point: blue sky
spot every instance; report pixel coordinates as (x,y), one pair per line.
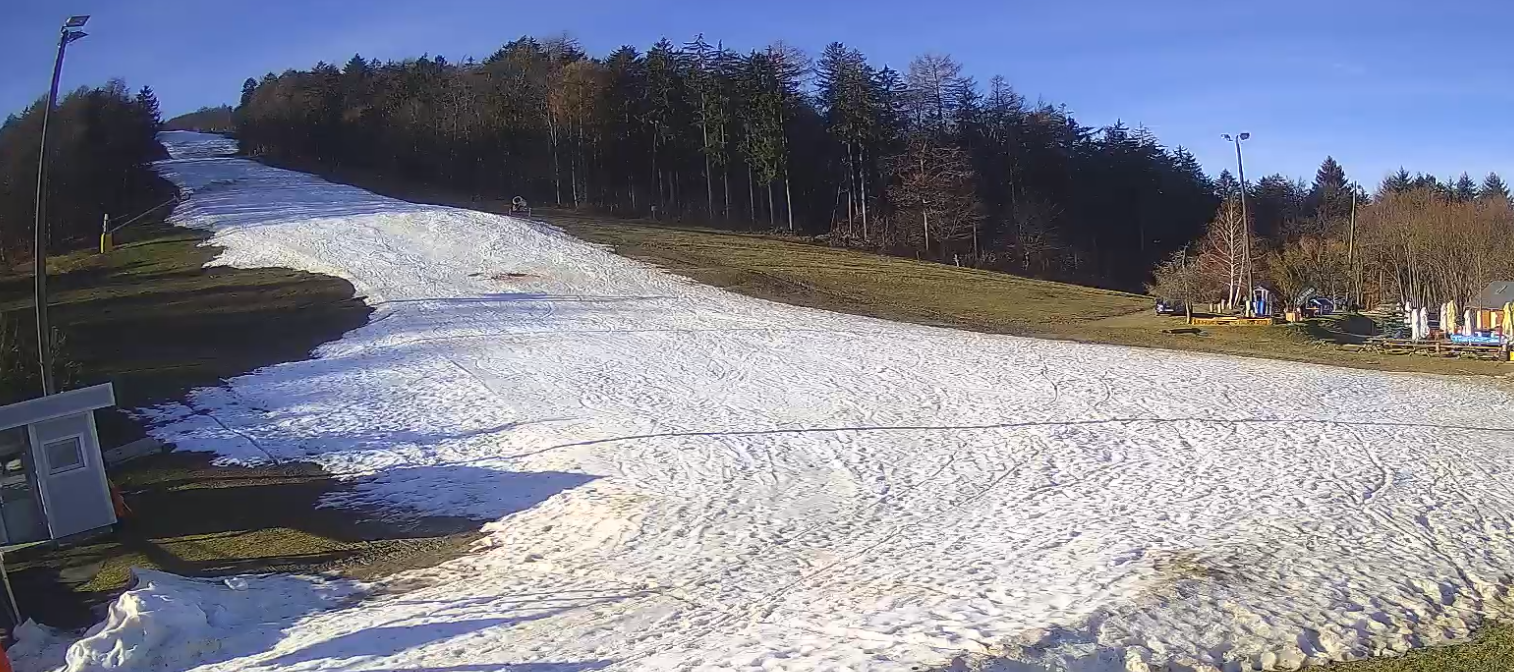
(1376,83)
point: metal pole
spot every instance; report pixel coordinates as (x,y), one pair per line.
(1245,226)
(9,592)
(1356,284)
(39,229)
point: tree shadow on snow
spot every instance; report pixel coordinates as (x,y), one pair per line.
(583,666)
(477,493)
(392,640)
(511,297)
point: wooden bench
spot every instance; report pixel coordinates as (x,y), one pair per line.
(1234,321)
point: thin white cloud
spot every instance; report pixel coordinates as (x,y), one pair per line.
(1351,69)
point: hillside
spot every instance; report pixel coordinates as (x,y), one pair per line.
(678,476)
(206,120)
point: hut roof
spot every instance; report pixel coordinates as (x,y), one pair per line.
(1494,295)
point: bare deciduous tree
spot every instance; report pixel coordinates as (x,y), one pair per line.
(1421,247)
(1310,263)
(1222,252)
(934,185)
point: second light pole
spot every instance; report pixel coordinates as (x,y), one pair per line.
(1245,219)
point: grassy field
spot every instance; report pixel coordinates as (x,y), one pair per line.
(150,319)
(804,273)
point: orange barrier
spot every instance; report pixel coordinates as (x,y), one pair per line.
(123,512)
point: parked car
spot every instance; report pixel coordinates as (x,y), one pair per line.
(1320,305)
(1165,307)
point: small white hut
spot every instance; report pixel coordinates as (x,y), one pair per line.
(52,476)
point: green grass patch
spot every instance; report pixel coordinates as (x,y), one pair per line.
(151,319)
(805,273)
(811,274)
(1491,651)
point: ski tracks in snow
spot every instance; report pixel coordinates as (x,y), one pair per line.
(771,487)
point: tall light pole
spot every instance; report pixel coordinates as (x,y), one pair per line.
(39,227)
(1356,284)
(1245,220)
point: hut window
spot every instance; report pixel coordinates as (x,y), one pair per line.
(65,455)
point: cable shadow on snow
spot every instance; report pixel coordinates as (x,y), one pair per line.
(1033,423)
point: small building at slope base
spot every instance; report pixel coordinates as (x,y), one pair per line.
(1488,306)
(52,475)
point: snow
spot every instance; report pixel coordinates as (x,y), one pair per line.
(675,477)
(166,623)
(198,145)
(37,648)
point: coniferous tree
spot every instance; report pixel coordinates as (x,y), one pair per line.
(664,115)
(708,99)
(1277,206)
(852,112)
(1493,187)
(1226,186)
(101,143)
(217,119)
(1464,189)
(1430,183)
(1330,196)
(1397,183)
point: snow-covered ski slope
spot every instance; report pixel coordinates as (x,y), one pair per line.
(682,478)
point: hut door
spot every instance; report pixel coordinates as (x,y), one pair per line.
(71,476)
(20,508)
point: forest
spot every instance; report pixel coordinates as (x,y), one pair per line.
(924,162)
(101,143)
(205,120)
(1414,238)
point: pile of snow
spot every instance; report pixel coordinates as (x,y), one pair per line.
(681,478)
(168,623)
(38,648)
